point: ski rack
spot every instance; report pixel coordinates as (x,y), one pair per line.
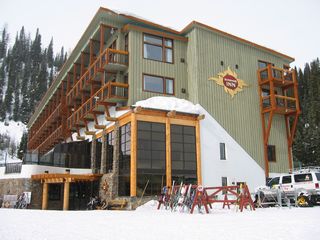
(241,194)
(305,169)
(206,196)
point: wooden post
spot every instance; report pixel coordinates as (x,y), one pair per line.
(168,153)
(66,191)
(45,196)
(133,160)
(198,147)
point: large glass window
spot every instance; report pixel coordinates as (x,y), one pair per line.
(158,48)
(110,144)
(183,153)
(124,160)
(158,84)
(151,157)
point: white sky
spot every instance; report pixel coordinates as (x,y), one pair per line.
(288,26)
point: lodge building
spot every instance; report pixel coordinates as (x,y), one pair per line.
(90,117)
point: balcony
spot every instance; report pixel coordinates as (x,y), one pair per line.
(112,92)
(111,60)
(279,104)
(54,138)
(51,120)
(278,76)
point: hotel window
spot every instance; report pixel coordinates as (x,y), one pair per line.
(124,160)
(151,157)
(183,153)
(110,140)
(157,48)
(223,151)
(158,84)
(271,153)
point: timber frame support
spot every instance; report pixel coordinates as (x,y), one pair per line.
(278,91)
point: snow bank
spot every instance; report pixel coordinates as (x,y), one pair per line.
(262,224)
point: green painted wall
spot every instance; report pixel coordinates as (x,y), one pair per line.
(240,115)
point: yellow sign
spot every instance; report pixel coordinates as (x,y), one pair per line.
(230,81)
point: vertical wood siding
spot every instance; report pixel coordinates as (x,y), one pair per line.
(240,115)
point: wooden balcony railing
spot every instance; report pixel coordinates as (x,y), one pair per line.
(280,77)
(51,140)
(108,59)
(56,114)
(281,104)
(110,92)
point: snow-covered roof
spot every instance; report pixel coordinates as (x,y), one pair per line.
(169,104)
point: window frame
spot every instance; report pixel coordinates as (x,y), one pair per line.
(164,84)
(274,155)
(163,46)
(224,155)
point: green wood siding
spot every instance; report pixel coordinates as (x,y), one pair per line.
(240,115)
(139,66)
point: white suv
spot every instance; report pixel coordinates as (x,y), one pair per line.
(301,186)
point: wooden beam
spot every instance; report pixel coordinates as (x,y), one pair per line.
(66,192)
(201,117)
(133,159)
(168,153)
(45,192)
(90,132)
(172,113)
(81,138)
(96,126)
(111,119)
(198,154)
(137,109)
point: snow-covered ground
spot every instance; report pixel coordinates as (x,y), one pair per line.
(14,130)
(148,223)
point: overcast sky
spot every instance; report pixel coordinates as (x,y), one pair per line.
(287,26)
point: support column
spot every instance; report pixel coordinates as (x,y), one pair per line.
(45,196)
(133,160)
(198,147)
(168,153)
(103,166)
(115,163)
(102,32)
(66,191)
(93,155)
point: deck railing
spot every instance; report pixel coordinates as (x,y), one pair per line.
(51,119)
(112,91)
(107,57)
(13,168)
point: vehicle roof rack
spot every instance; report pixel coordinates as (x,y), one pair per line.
(305,169)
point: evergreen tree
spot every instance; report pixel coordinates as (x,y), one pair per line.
(4,42)
(50,60)
(35,58)
(23,145)
(306,146)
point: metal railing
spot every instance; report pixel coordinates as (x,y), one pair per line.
(13,168)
